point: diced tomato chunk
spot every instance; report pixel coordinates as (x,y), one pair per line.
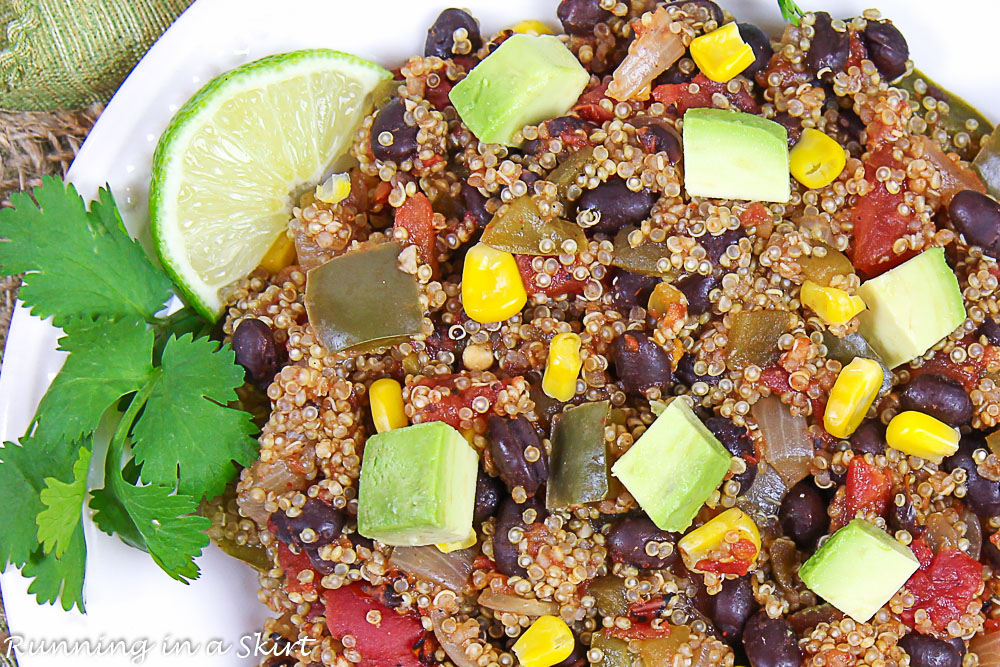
(877,222)
(680,96)
(293,564)
(966,373)
(562,282)
(639,631)
(755,214)
(868,487)
(393,640)
(417,217)
(944,587)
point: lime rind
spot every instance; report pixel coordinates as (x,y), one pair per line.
(240,189)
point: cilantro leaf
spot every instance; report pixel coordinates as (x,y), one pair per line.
(107,360)
(79,263)
(153,517)
(58,578)
(63,507)
(790,11)
(185,425)
(22,477)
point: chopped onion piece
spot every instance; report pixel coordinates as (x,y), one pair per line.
(787,445)
(987,647)
(448,569)
(451,647)
(655,48)
(973,533)
(513,604)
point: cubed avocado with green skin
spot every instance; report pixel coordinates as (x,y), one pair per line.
(735,155)
(859,569)
(911,307)
(417,486)
(673,467)
(528,79)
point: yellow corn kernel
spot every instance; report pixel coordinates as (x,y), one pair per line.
(834,306)
(548,641)
(562,367)
(386,399)
(335,189)
(448,547)
(722,54)
(816,159)
(852,394)
(730,527)
(280,254)
(532,27)
(492,289)
(917,434)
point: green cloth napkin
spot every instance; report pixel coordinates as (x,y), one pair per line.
(66,54)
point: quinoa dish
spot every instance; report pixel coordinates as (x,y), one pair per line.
(657,342)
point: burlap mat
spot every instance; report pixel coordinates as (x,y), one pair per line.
(33,144)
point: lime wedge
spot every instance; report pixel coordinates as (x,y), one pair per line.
(229,162)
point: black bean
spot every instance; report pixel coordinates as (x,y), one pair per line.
(850,123)
(489,490)
(686,374)
(771,642)
(325,521)
(509,438)
(991,554)
(509,515)
(991,329)
(828,48)
(761,45)
(674,75)
(925,651)
(982,494)
(626,542)
(655,138)
(475,204)
(715,246)
(732,436)
(256,351)
(732,607)
(939,396)
(640,363)
(618,206)
(791,124)
(556,128)
(869,438)
(903,517)
(977,217)
(630,289)
(959,645)
(579,17)
(390,120)
(887,48)
(441,36)
(578,658)
(714,11)
(803,514)
(697,288)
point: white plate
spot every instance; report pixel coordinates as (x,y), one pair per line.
(128,597)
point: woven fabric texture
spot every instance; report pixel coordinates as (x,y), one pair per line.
(66,54)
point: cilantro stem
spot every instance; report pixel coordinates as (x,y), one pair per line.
(117,444)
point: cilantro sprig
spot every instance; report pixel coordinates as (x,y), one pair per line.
(790,11)
(175,442)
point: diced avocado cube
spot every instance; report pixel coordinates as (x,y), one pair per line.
(362,300)
(417,486)
(673,467)
(858,569)
(735,155)
(911,307)
(579,460)
(528,79)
